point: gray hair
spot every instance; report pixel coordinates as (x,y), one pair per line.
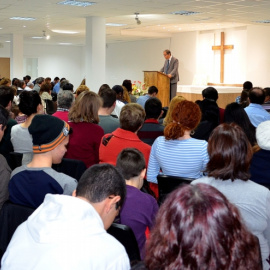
(39,80)
(65,99)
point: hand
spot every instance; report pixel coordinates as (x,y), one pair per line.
(169,75)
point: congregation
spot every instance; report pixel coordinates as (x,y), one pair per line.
(115,146)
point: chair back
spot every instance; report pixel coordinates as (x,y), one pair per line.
(126,237)
(167,184)
(11,216)
(72,167)
(15,160)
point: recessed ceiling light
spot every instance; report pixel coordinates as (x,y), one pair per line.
(76,3)
(37,37)
(115,24)
(65,32)
(64,43)
(185,13)
(23,18)
(7,41)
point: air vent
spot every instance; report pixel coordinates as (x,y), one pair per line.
(263,21)
(185,13)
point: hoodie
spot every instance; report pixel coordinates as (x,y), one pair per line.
(64,233)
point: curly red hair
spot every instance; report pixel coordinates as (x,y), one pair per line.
(186,116)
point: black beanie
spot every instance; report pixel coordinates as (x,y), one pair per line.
(47,132)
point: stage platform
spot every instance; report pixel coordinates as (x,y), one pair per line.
(226,94)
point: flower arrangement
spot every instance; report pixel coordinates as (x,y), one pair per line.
(139,89)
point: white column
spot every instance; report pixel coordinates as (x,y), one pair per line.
(16,57)
(95,52)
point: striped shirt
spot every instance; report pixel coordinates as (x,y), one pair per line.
(184,158)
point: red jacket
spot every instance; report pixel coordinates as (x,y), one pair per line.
(113,143)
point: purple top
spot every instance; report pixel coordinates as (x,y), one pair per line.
(138,212)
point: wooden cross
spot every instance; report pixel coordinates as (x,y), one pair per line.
(222,49)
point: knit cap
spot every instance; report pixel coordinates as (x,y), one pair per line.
(263,135)
(47,132)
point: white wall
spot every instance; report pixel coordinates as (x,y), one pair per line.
(128,60)
(249,60)
(5,50)
(258,55)
(61,61)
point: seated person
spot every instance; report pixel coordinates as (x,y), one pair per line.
(209,120)
(30,104)
(30,183)
(6,98)
(176,153)
(128,85)
(260,162)
(151,128)
(4,168)
(139,209)
(198,228)
(119,97)
(131,120)
(64,101)
(69,232)
(212,94)
(152,92)
(255,111)
(86,136)
(106,121)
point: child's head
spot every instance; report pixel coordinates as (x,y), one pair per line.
(131,164)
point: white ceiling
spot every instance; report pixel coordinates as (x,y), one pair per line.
(155,15)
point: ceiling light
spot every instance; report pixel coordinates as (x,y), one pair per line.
(115,24)
(76,3)
(37,37)
(64,43)
(65,32)
(23,18)
(137,18)
(8,41)
(184,12)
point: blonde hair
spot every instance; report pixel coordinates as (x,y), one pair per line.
(126,96)
(5,81)
(81,89)
(85,108)
(168,119)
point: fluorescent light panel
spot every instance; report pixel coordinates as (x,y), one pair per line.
(64,32)
(37,37)
(115,24)
(63,43)
(76,3)
(23,18)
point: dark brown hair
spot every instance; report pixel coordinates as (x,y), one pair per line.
(186,116)
(85,108)
(198,228)
(229,152)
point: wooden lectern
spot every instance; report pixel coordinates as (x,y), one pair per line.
(162,82)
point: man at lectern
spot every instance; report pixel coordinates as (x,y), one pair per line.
(171,69)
